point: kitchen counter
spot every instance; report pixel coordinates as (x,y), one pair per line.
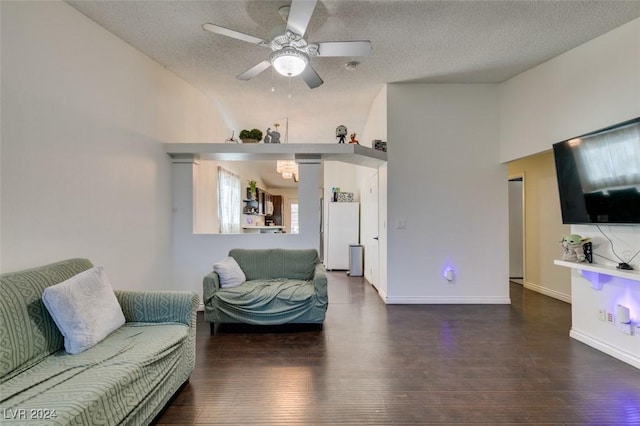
(262,229)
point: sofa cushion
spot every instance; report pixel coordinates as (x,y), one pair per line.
(229,272)
(84,308)
(28,333)
(276,263)
(109,383)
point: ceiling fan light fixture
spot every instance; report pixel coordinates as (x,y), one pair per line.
(289,61)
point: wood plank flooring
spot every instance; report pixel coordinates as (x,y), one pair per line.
(374,364)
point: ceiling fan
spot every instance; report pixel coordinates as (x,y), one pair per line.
(290,51)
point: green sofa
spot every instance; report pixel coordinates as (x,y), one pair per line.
(125,379)
(282,286)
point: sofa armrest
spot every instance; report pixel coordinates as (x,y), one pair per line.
(320,282)
(159,306)
(210,284)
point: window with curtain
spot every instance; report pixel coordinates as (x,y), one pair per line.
(229,201)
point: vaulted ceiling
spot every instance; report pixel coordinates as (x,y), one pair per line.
(412,41)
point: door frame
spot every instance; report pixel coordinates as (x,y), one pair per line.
(521,176)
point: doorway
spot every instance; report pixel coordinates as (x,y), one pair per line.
(370,222)
(516,229)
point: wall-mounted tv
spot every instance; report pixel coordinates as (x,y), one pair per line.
(599,175)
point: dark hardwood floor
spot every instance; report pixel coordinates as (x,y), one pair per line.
(374,364)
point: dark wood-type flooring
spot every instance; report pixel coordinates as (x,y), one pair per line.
(377,364)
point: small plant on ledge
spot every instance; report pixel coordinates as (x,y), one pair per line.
(253,185)
(251,136)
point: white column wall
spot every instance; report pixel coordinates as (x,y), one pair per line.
(447,195)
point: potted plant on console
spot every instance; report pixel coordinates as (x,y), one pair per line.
(251,136)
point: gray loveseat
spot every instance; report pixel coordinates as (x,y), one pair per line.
(282,286)
(125,379)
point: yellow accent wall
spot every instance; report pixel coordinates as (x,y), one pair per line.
(543,226)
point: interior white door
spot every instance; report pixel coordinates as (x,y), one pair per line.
(371,251)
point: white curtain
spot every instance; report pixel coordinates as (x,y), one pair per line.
(229,201)
(610,160)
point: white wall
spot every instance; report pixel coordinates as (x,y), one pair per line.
(205,198)
(586,326)
(83,170)
(446,185)
(376,124)
(590,87)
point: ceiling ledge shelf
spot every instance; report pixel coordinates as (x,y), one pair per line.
(598,274)
(347,153)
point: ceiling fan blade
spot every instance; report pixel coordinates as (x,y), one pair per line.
(300,15)
(344,48)
(217,29)
(311,77)
(254,70)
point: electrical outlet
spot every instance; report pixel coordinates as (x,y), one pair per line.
(602,314)
(611,318)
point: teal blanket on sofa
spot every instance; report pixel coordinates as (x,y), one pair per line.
(106,384)
(283,286)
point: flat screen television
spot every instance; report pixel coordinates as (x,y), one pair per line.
(599,175)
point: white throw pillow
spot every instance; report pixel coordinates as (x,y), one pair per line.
(84,308)
(230,273)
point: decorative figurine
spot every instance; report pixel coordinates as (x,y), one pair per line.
(231,139)
(273,136)
(353,139)
(572,248)
(341,133)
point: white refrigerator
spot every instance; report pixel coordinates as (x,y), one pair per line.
(341,230)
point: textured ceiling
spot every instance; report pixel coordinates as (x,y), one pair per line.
(412,41)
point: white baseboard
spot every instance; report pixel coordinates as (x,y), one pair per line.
(448,300)
(382,295)
(548,292)
(607,348)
